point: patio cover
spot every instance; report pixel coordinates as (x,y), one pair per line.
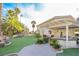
(59,21)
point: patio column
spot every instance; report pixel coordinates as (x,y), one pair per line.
(67,30)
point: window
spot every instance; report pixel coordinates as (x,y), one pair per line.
(61,34)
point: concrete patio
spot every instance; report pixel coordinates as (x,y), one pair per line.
(37,50)
(71,44)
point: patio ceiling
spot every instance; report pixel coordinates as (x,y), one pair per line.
(62,22)
(58,21)
(64,27)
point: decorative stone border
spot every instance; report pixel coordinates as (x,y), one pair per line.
(12,54)
(61,51)
(8,44)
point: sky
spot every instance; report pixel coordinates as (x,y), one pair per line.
(41,12)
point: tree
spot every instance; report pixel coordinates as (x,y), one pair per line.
(0,17)
(33,24)
(13,25)
(17,11)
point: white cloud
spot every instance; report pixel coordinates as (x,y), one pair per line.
(48,12)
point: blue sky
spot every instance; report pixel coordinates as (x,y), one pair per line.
(37,6)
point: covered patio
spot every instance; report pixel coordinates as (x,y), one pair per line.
(66,43)
(59,23)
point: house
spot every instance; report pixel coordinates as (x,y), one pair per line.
(57,25)
(64,27)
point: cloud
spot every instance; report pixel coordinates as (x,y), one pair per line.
(49,11)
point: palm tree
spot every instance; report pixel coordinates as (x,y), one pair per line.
(0,16)
(33,24)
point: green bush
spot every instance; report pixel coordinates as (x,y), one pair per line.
(37,35)
(54,43)
(39,38)
(45,39)
(56,46)
(39,41)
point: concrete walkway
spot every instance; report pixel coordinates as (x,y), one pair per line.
(37,50)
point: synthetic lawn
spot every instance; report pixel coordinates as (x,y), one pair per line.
(70,52)
(17,44)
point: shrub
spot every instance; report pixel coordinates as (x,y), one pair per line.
(45,39)
(56,46)
(54,43)
(39,42)
(37,35)
(39,39)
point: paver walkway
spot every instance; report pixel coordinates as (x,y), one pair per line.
(37,50)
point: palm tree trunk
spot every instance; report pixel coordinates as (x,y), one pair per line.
(33,29)
(0,18)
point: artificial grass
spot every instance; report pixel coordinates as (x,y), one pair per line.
(70,52)
(17,45)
